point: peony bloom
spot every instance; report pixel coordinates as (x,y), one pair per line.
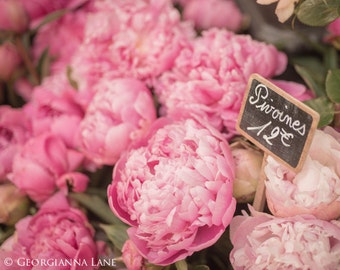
(206,14)
(45,163)
(134,38)
(284,9)
(248,162)
(62,38)
(174,188)
(13,16)
(333,35)
(58,233)
(51,110)
(262,241)
(120,112)
(14,132)
(132,259)
(209,77)
(9,60)
(14,205)
(315,189)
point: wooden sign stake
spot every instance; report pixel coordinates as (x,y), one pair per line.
(260,196)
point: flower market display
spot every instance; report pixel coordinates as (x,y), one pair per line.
(120,145)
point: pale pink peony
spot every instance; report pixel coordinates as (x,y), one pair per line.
(134,38)
(248,162)
(45,163)
(206,14)
(262,241)
(209,77)
(58,233)
(13,16)
(284,9)
(131,257)
(174,188)
(120,112)
(14,132)
(315,189)
(10,60)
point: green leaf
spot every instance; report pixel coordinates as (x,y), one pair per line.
(181,265)
(314,76)
(318,12)
(50,18)
(97,206)
(72,82)
(116,233)
(201,267)
(324,107)
(44,63)
(333,85)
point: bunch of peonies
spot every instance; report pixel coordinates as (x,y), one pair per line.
(262,241)
(313,190)
(174,187)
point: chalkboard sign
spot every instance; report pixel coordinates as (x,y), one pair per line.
(279,124)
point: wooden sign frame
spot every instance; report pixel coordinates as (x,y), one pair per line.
(276,122)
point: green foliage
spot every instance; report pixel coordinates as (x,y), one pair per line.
(318,12)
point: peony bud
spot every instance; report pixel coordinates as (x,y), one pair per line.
(248,162)
(13,16)
(9,60)
(13,204)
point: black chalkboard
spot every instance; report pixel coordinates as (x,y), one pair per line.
(276,122)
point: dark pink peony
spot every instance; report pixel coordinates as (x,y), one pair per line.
(45,163)
(55,235)
(174,188)
(14,132)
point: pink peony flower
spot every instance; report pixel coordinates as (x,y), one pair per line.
(132,259)
(14,132)
(134,38)
(44,163)
(284,9)
(315,189)
(9,60)
(13,16)
(206,14)
(262,241)
(120,112)
(55,235)
(56,111)
(62,38)
(296,90)
(36,9)
(333,33)
(209,78)
(174,188)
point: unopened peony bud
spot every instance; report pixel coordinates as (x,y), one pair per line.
(13,204)
(248,168)
(13,16)
(9,60)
